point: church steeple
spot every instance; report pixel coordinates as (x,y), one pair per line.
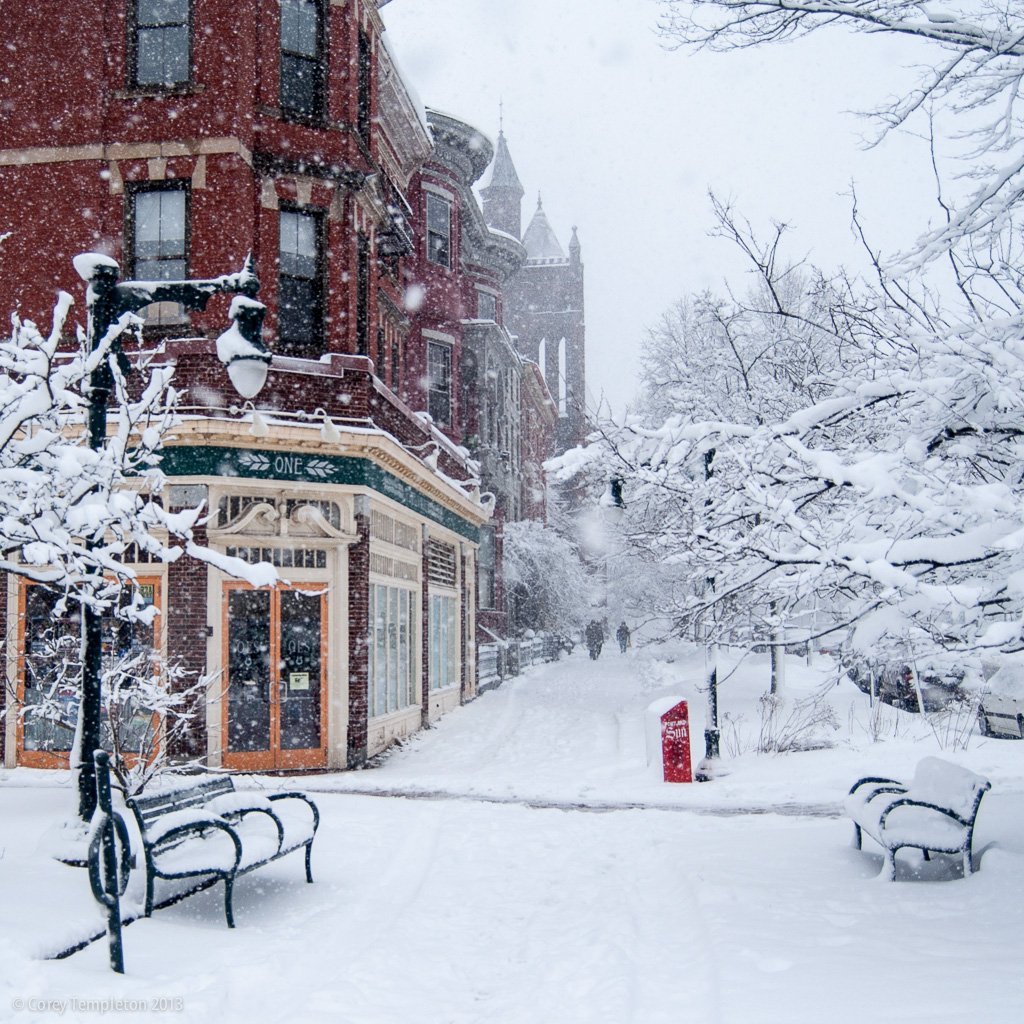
(503,195)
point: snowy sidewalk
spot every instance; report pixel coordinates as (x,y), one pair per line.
(474,905)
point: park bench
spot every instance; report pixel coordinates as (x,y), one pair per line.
(934,813)
(211,832)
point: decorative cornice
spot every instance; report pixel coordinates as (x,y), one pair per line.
(124,151)
(272,164)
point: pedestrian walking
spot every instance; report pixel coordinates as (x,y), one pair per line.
(595,639)
(623,636)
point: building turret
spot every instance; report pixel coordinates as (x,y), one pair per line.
(574,248)
(503,195)
(540,241)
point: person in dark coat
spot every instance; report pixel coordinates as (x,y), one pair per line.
(622,635)
(595,638)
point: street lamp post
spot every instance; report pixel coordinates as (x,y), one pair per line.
(712,736)
(613,508)
(247,360)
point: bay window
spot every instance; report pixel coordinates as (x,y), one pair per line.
(439,230)
(439,382)
(300,283)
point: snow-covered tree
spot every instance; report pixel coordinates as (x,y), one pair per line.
(73,514)
(893,488)
(897,494)
(967,95)
(747,359)
(546,577)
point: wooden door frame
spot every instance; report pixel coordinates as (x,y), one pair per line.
(274,759)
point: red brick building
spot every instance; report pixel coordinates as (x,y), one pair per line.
(180,136)
(399,426)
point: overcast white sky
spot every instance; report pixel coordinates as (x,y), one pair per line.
(624,138)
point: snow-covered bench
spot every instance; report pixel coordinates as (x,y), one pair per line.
(211,832)
(935,813)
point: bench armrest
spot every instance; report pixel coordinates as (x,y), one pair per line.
(910,802)
(236,805)
(300,796)
(879,781)
(240,815)
(198,827)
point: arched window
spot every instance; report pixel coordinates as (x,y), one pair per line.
(563,389)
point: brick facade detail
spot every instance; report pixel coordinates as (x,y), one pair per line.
(187,633)
(359,638)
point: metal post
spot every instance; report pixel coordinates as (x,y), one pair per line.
(107,874)
(107,302)
(103,313)
(712,736)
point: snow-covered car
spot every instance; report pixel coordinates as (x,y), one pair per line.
(1001,706)
(894,684)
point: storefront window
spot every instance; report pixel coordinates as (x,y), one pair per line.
(52,670)
(444,638)
(392,682)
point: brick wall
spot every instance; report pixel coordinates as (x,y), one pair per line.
(187,619)
(358,637)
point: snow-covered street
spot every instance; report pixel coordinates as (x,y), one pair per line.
(481,901)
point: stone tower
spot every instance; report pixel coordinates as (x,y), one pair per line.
(503,195)
(543,302)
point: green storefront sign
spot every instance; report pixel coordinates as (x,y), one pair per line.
(314,469)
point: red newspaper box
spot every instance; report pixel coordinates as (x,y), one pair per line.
(675,744)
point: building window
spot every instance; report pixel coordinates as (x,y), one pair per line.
(158,235)
(302,58)
(439,382)
(485,568)
(157,244)
(52,641)
(444,642)
(486,306)
(392,663)
(365,83)
(159,45)
(300,284)
(439,230)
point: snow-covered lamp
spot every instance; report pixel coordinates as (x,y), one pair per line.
(241,349)
(612,504)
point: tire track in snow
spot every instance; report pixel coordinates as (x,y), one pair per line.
(792,809)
